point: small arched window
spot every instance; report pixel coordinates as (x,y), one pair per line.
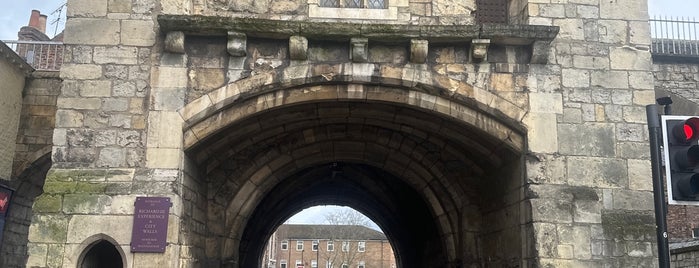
(102,254)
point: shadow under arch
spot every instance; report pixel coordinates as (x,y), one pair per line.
(253,135)
(409,226)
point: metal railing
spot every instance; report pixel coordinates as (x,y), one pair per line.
(674,36)
(41,55)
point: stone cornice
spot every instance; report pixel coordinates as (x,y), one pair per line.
(265,28)
(10,55)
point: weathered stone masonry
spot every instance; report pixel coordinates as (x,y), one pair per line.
(519,145)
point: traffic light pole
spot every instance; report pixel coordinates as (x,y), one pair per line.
(658,187)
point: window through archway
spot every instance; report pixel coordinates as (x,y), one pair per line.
(316,230)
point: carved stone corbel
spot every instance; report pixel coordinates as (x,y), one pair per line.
(418,51)
(479,49)
(359,49)
(237,44)
(298,48)
(174,42)
(540,52)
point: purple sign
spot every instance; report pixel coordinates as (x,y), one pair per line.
(150,224)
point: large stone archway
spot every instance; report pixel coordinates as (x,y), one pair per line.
(414,162)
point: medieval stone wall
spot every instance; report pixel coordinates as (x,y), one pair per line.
(588,166)
(582,200)
(10,107)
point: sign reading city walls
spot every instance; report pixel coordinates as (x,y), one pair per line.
(150,224)
(5,197)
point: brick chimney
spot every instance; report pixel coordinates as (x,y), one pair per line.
(34,19)
(42,23)
(38,21)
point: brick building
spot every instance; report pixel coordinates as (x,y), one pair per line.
(328,246)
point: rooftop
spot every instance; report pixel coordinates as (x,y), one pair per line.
(349,232)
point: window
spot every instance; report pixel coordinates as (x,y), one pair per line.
(361,264)
(353,3)
(299,245)
(695,232)
(282,264)
(314,264)
(298,263)
(345,246)
(285,244)
(331,245)
(361,246)
(314,245)
(328,264)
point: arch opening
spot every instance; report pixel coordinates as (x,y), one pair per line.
(101,254)
(447,193)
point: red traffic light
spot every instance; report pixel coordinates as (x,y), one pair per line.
(687,131)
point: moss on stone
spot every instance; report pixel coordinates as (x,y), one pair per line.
(85,203)
(48,203)
(76,175)
(623,224)
(89,187)
(59,187)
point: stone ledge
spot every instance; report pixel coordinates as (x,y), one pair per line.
(265,28)
(13,58)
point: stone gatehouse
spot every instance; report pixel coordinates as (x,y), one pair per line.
(475,133)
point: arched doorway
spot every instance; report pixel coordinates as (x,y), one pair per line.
(101,254)
(444,183)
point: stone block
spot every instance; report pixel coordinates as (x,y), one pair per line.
(639,33)
(590,62)
(570,29)
(119,6)
(592,139)
(137,33)
(96,88)
(632,200)
(115,55)
(82,203)
(612,31)
(118,227)
(543,137)
(37,254)
(79,103)
(163,130)
(69,118)
(180,7)
(359,49)
(479,49)
(546,103)
(624,10)
(579,237)
(163,158)
(575,78)
(597,172)
(86,8)
(610,79)
(167,99)
(174,42)
(628,58)
(644,97)
(84,31)
(48,228)
(168,77)
(81,71)
(418,51)
(639,175)
(298,48)
(237,44)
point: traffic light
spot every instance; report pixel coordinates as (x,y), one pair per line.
(681,158)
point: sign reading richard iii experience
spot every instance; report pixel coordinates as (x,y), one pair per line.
(150,224)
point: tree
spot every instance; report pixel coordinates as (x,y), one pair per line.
(346,251)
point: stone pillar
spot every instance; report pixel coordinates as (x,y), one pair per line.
(588,165)
(117,136)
